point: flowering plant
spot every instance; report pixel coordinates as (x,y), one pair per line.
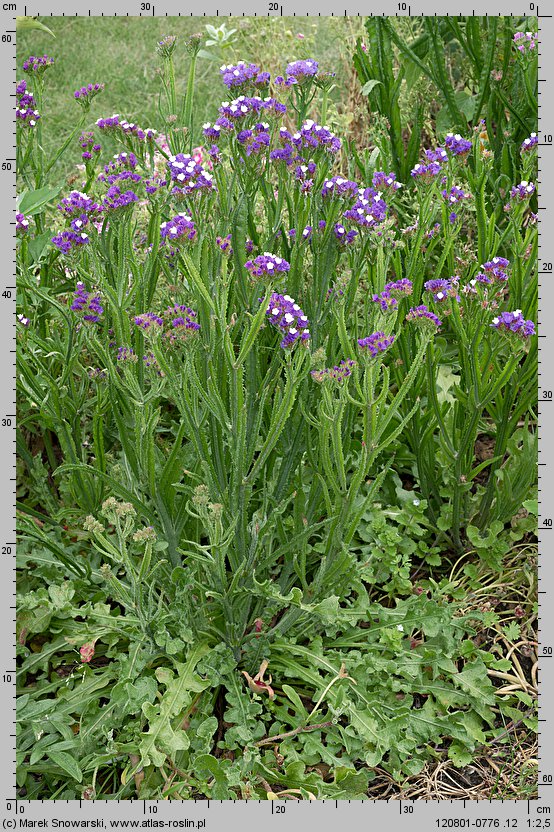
(234,358)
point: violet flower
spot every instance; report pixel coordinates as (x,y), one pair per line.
(376,343)
(284,313)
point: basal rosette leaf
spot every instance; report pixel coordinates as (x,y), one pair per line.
(163,737)
(243,712)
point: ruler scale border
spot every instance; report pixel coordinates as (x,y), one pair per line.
(210,814)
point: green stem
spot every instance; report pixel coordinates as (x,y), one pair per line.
(188,116)
(459,482)
(78,127)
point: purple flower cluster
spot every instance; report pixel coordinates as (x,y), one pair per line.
(376,342)
(524,190)
(426,173)
(399,288)
(439,154)
(88,303)
(525,41)
(34,65)
(178,229)
(422,316)
(69,240)
(122,161)
(338,186)
(88,145)
(306,234)
(343,236)
(481,278)
(442,289)
(151,362)
(166,45)
(388,298)
(79,223)
(284,154)
(214,154)
(111,123)
(213,131)
(125,354)
(514,322)
(287,82)
(530,143)
(25,112)
(369,210)
(21,224)
(303,173)
(386,301)
(125,128)
(256,140)
(188,175)
(179,323)
(312,136)
(266,263)
(23,320)
(495,267)
(241,73)
(116,199)
(149,322)
(302,69)
(338,373)
(224,243)
(457,145)
(455,195)
(243,106)
(153,185)
(182,323)
(385,181)
(84,95)
(285,313)
(78,204)
(126,179)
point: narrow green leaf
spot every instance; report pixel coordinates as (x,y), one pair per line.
(197,281)
(250,336)
(32,202)
(370,85)
(67,763)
